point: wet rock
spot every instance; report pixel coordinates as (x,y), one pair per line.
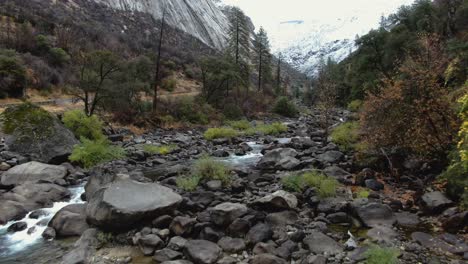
(382,235)
(225,213)
(37,195)
(149,243)
(279,200)
(456,222)
(70,221)
(259,233)
(182,226)
(267,259)
(373,214)
(83,250)
(320,243)
(220,153)
(125,202)
(33,172)
(232,245)
(11,210)
(435,202)
(202,251)
(49,233)
(163,221)
(17,227)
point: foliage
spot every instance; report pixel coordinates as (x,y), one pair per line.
(188,183)
(13,78)
(240,125)
(220,132)
(232,112)
(412,112)
(209,169)
(346,135)
(58,57)
(162,150)
(285,107)
(362,193)
(189,109)
(326,186)
(93,152)
(169,84)
(262,59)
(355,105)
(81,125)
(379,255)
(272,129)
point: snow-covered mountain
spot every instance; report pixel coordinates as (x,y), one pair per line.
(200,18)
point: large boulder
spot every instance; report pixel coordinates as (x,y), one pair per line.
(280,158)
(33,172)
(83,249)
(125,202)
(37,195)
(11,210)
(373,214)
(225,213)
(435,202)
(279,200)
(70,221)
(319,243)
(51,143)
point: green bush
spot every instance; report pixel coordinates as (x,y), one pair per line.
(326,186)
(457,182)
(285,107)
(232,112)
(169,84)
(13,77)
(362,193)
(188,110)
(220,132)
(93,152)
(58,56)
(209,169)
(355,106)
(162,150)
(273,129)
(240,125)
(81,125)
(188,183)
(346,135)
(379,255)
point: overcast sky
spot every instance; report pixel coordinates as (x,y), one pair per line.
(271,13)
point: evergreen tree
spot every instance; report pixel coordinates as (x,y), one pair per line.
(262,59)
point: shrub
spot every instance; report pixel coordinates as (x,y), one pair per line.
(346,135)
(220,132)
(13,78)
(93,152)
(273,129)
(240,125)
(355,105)
(285,108)
(326,186)
(58,56)
(209,169)
(169,84)
(379,255)
(188,110)
(189,183)
(232,112)
(27,119)
(81,125)
(162,150)
(362,193)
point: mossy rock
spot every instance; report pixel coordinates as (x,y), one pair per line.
(35,133)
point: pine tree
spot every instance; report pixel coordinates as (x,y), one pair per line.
(262,59)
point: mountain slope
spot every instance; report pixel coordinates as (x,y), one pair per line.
(199,18)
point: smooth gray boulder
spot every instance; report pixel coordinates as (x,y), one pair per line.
(37,195)
(282,158)
(83,249)
(70,221)
(33,172)
(11,210)
(435,202)
(202,251)
(125,202)
(319,243)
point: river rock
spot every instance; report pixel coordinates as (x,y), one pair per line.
(53,148)
(437,244)
(339,174)
(17,227)
(125,202)
(373,214)
(259,233)
(281,218)
(267,259)
(279,157)
(435,202)
(33,172)
(182,226)
(166,255)
(319,243)
(70,221)
(37,195)
(149,243)
(279,200)
(407,220)
(83,249)
(49,233)
(225,213)
(11,210)
(331,156)
(232,245)
(202,251)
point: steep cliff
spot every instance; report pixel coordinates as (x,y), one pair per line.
(199,18)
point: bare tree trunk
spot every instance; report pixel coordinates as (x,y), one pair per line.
(158,63)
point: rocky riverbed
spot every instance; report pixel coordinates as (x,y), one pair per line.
(131,210)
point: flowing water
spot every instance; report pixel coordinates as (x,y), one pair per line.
(28,246)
